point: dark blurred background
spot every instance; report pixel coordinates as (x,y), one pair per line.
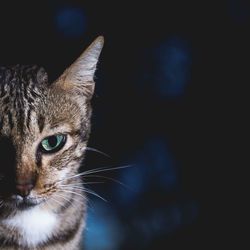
(170,91)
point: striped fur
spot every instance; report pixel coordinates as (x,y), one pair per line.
(31,109)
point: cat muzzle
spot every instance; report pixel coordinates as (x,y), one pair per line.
(24,189)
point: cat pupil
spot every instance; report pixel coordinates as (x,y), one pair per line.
(52,141)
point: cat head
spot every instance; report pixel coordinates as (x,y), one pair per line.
(44,127)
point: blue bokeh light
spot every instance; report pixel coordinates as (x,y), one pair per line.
(70,22)
(152,162)
(173,60)
(103,229)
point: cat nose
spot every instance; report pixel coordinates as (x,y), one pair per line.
(24,189)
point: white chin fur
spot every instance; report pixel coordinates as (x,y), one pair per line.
(35,225)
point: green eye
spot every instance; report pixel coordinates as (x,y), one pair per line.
(53,143)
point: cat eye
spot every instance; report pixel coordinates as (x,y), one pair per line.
(53,143)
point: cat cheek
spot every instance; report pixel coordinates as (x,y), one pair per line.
(80,150)
(63,173)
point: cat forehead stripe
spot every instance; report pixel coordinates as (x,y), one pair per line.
(20,86)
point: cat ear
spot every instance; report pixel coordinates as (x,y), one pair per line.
(79,77)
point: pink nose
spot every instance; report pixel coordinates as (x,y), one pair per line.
(24,189)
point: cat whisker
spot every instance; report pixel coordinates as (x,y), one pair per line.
(86,191)
(71,183)
(68,178)
(71,191)
(80,185)
(75,188)
(109,178)
(58,195)
(61,204)
(97,151)
(105,169)
(72,198)
(96,170)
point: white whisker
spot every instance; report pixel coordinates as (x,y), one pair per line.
(97,151)
(70,185)
(86,191)
(72,198)
(105,169)
(80,185)
(61,204)
(111,179)
(58,195)
(93,171)
(68,178)
(71,191)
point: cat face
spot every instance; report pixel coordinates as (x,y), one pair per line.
(44,129)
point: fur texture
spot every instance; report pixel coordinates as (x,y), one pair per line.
(52,215)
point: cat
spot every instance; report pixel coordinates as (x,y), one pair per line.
(44,130)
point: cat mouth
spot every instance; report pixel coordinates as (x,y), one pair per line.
(22,203)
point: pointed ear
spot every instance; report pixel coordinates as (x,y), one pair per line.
(79,77)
